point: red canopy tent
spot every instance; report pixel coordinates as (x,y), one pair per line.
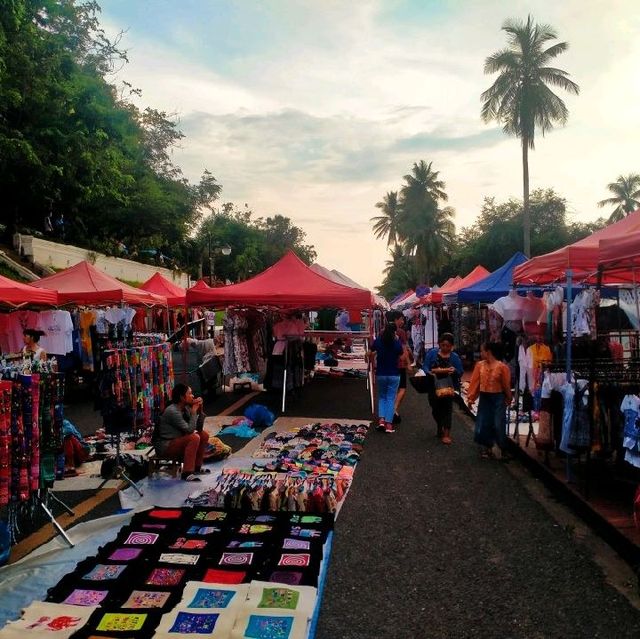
(620,258)
(289,283)
(581,257)
(83,283)
(17,294)
(160,285)
(200,285)
(453,285)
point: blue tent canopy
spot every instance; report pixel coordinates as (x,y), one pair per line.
(495,285)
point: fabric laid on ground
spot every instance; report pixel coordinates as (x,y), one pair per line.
(41,619)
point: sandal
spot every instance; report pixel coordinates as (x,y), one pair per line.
(446,440)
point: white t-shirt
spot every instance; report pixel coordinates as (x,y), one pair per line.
(58,328)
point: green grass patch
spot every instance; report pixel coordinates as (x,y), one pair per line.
(7,271)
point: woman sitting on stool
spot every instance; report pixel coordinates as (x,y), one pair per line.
(180,434)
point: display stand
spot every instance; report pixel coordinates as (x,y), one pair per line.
(118,469)
(43,498)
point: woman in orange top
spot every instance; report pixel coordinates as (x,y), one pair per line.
(491,381)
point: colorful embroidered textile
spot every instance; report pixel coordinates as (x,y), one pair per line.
(43,619)
(189,623)
(263,595)
(259,624)
(199,594)
(146,599)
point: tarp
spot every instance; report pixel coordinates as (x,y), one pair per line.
(581,256)
(620,258)
(289,283)
(14,293)
(160,285)
(83,283)
(497,284)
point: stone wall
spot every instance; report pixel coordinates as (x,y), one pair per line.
(61,256)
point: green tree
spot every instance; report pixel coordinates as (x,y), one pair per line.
(399,273)
(521,98)
(386,224)
(426,230)
(626,196)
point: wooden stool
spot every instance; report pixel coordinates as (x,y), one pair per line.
(156,463)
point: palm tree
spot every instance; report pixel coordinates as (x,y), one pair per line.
(387,223)
(520,98)
(426,230)
(626,191)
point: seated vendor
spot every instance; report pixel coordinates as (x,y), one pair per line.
(31,348)
(180,434)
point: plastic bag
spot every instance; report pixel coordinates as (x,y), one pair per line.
(260,415)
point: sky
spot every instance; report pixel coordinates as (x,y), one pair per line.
(315,109)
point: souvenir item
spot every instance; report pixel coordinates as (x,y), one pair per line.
(104,572)
(146,599)
(264,594)
(178,558)
(259,624)
(165,576)
(121,622)
(198,594)
(81,597)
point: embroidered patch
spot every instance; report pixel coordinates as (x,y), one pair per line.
(291,578)
(214,515)
(165,576)
(298,560)
(262,519)
(154,526)
(296,544)
(204,530)
(165,514)
(188,544)
(125,554)
(212,598)
(279,598)
(245,544)
(178,558)
(267,627)
(80,597)
(254,529)
(236,559)
(213,576)
(305,519)
(61,622)
(121,621)
(142,538)
(306,533)
(104,572)
(194,623)
(146,599)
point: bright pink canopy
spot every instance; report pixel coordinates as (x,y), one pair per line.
(14,293)
(478,273)
(83,283)
(289,283)
(160,285)
(581,256)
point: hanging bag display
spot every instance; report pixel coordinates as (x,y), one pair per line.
(444,386)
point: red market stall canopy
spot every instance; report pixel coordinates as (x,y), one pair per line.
(619,258)
(83,283)
(289,283)
(581,257)
(17,294)
(200,285)
(160,285)
(454,285)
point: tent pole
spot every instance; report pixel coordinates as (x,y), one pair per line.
(569,322)
(284,377)
(185,347)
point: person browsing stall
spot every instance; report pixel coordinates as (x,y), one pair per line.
(403,364)
(446,367)
(180,434)
(32,348)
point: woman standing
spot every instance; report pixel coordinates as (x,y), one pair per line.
(32,348)
(446,367)
(491,381)
(385,353)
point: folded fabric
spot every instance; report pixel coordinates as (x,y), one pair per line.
(259,624)
(199,594)
(240,430)
(265,595)
(181,623)
(44,619)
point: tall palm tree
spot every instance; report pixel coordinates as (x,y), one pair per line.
(520,98)
(424,228)
(626,191)
(387,223)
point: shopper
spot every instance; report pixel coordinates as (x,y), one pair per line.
(446,367)
(180,434)
(384,355)
(403,363)
(491,381)
(31,338)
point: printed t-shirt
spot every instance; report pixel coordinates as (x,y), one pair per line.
(58,329)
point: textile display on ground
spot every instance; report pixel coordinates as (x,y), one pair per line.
(307,469)
(180,571)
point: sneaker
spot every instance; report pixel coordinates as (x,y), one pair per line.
(381,425)
(396,418)
(389,428)
(446,440)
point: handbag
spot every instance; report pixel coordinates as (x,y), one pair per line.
(444,387)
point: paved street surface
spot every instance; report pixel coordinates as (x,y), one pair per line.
(435,542)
